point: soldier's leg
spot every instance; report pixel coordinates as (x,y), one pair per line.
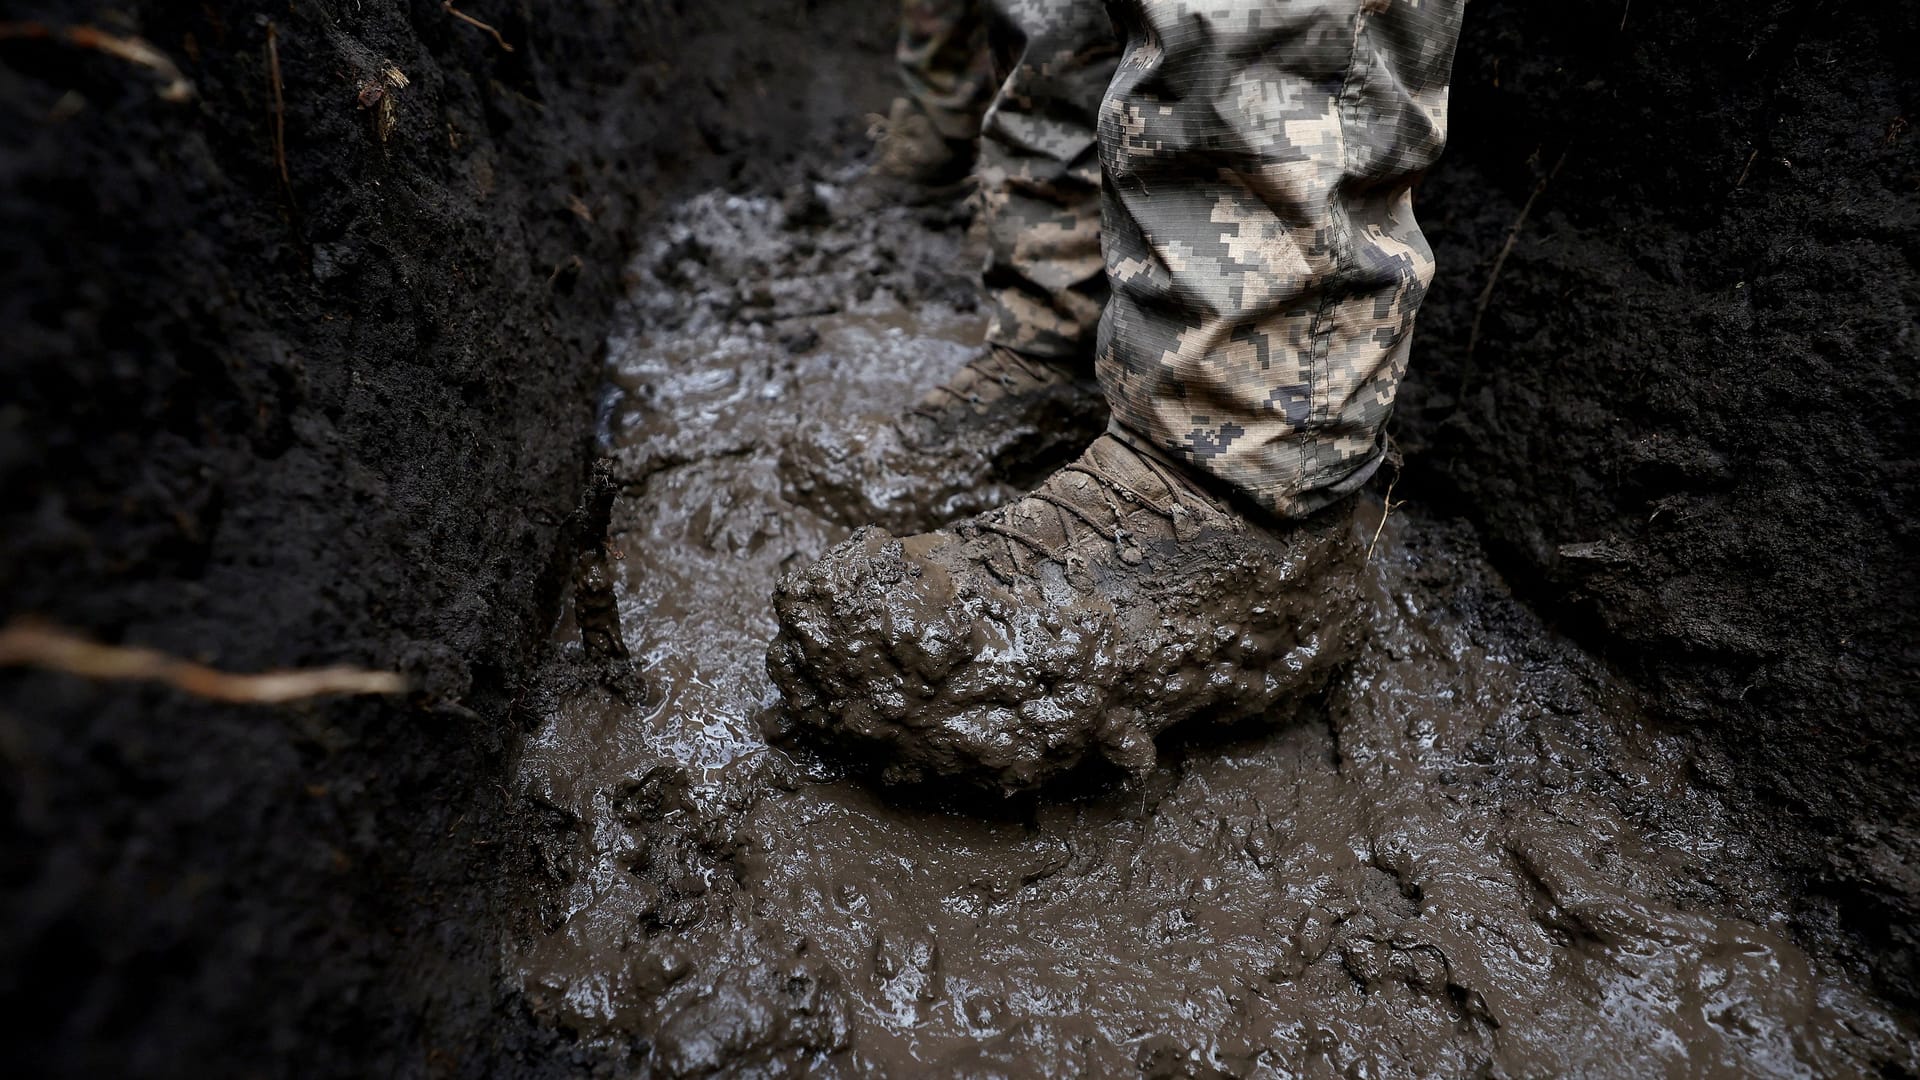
(1040,176)
(1028,401)
(943,60)
(931,130)
(1261,243)
(1265,269)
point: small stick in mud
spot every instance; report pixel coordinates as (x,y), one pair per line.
(177,87)
(447,6)
(1396,461)
(1386,511)
(27,643)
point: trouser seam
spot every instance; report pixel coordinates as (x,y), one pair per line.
(1339,242)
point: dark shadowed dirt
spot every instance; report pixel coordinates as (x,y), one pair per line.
(1477,854)
(1686,426)
(340,417)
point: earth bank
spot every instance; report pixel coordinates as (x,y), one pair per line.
(1685,425)
(336,411)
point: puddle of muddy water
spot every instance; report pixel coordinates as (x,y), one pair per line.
(1481,858)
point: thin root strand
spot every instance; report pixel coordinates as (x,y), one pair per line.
(175,88)
(1386,511)
(447,6)
(31,644)
(279,114)
(1500,260)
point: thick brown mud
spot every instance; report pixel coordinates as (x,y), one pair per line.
(1477,854)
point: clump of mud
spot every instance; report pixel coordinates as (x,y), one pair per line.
(1071,626)
(1476,856)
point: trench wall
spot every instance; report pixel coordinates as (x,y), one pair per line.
(1685,425)
(300,369)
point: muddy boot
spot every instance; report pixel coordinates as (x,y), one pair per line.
(992,431)
(915,164)
(1115,601)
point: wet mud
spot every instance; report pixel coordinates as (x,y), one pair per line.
(1475,854)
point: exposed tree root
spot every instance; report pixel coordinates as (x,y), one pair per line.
(176,87)
(279,115)
(27,643)
(447,6)
(1500,260)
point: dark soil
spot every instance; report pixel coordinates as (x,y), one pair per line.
(346,418)
(1686,428)
(339,419)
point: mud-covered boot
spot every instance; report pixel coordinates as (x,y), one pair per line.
(1116,600)
(996,428)
(915,163)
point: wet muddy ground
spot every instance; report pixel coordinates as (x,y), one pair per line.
(1478,856)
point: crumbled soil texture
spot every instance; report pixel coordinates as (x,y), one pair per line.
(1686,426)
(1478,856)
(338,415)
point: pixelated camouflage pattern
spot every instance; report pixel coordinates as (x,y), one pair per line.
(1260,239)
(1039,176)
(942,56)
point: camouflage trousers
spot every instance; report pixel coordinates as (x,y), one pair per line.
(942,56)
(1251,307)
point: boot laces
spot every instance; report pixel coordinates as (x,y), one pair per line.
(998,366)
(1113,492)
